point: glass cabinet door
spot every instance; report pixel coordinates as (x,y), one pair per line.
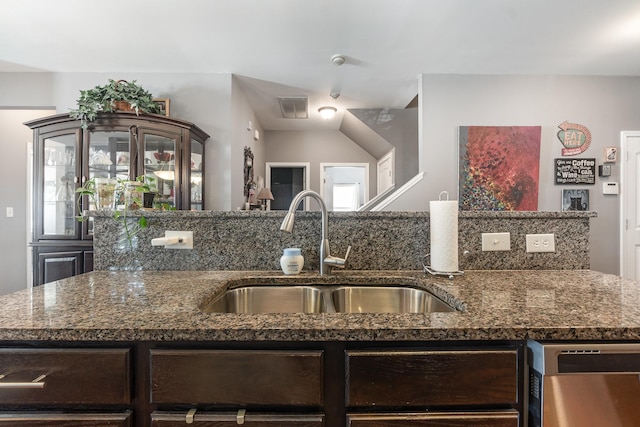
(108,156)
(59,159)
(196,185)
(160,159)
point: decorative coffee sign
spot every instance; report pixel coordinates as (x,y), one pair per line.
(575,171)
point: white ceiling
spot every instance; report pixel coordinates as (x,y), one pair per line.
(284,47)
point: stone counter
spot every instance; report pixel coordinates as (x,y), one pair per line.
(163,306)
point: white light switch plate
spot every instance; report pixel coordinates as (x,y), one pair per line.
(541,243)
(496,242)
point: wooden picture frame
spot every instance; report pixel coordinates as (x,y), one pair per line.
(164,105)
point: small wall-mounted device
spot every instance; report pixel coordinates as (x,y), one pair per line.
(604,170)
(174,240)
(610,188)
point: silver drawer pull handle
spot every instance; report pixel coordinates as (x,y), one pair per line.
(240,416)
(36,383)
(191,413)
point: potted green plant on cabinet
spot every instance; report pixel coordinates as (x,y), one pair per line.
(114,96)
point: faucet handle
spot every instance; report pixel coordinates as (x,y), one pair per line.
(346,255)
(333,261)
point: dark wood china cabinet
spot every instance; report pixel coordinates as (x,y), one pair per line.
(116,145)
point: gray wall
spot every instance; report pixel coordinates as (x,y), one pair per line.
(14,145)
(317,147)
(605,105)
(241,114)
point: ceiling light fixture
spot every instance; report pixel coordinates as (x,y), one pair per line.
(327,112)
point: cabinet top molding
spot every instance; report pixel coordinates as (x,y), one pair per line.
(119,117)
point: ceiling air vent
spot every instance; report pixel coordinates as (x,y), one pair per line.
(294,107)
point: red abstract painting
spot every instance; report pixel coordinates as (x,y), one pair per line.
(499,167)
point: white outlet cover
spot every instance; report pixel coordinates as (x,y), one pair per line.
(496,242)
(541,243)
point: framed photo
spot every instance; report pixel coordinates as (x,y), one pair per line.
(575,200)
(164,105)
(610,154)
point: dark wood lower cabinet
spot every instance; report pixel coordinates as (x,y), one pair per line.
(428,378)
(65,387)
(55,419)
(204,419)
(59,262)
(506,418)
(261,384)
(65,376)
(58,265)
(227,377)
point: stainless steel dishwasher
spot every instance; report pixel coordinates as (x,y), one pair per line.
(583,385)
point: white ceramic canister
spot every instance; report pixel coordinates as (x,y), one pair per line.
(292,261)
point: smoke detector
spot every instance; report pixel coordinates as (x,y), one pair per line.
(338,59)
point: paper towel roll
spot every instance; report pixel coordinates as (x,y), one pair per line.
(443,227)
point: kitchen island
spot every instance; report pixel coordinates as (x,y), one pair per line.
(143,333)
(161,306)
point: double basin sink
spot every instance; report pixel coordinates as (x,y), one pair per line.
(323,298)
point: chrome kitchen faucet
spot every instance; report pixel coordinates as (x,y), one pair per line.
(327,262)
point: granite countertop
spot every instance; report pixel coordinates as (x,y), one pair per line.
(163,306)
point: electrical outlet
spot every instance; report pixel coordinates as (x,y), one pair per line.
(496,242)
(541,243)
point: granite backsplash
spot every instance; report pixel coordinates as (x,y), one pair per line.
(252,240)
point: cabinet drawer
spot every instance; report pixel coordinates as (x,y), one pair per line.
(243,377)
(227,419)
(507,418)
(71,376)
(44,419)
(417,378)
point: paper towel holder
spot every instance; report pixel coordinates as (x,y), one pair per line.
(443,196)
(427,269)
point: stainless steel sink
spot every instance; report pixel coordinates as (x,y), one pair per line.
(324,298)
(386,299)
(269,299)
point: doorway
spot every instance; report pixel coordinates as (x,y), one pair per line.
(629,201)
(345,186)
(285,181)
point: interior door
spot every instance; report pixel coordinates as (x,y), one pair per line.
(385,172)
(629,209)
(285,181)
